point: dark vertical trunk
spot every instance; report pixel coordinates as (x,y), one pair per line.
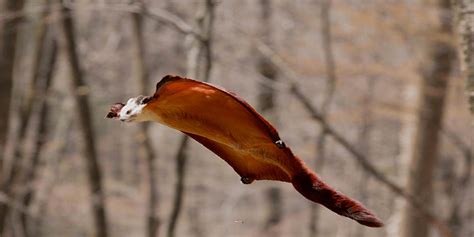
(179,188)
(466,30)
(330,65)
(8,38)
(83,113)
(8,35)
(434,87)
(275,210)
(146,150)
(45,69)
(199,60)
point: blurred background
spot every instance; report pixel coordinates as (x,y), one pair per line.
(373,95)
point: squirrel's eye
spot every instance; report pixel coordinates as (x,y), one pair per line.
(129,111)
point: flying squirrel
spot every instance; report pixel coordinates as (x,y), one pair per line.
(237,133)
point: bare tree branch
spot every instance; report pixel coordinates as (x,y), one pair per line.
(155,14)
(173,20)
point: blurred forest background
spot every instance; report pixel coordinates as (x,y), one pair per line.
(374,95)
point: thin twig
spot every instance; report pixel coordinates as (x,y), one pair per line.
(156,14)
(173,20)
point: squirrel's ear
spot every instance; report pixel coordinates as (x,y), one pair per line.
(144,99)
(115,110)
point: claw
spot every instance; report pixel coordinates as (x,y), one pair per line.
(246,180)
(280,144)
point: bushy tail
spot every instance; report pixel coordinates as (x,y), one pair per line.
(308,184)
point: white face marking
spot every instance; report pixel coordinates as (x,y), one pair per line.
(132,111)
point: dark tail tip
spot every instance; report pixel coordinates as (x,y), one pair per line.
(366,218)
(317,191)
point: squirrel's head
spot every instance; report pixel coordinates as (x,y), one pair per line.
(133,111)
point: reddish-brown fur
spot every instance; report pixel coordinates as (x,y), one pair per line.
(233,130)
(308,184)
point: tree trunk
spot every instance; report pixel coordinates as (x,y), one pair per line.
(199,65)
(434,86)
(330,65)
(146,150)
(466,29)
(409,98)
(8,35)
(46,62)
(179,188)
(83,112)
